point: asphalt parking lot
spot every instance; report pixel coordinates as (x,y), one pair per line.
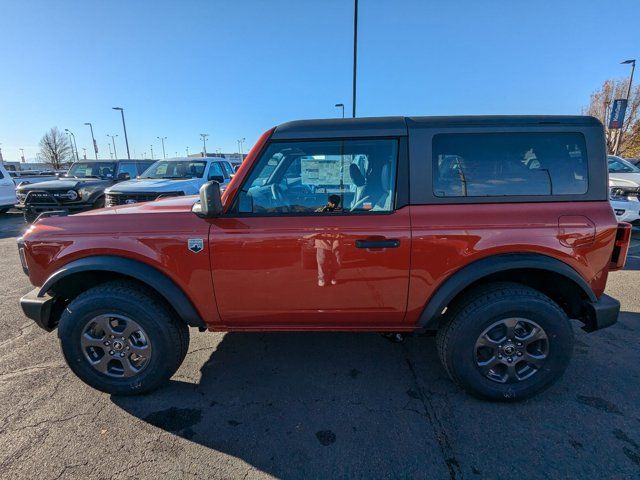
(314,405)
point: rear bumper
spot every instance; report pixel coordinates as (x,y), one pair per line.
(38,308)
(601,314)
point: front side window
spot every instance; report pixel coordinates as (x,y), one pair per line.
(215,171)
(92,170)
(508,164)
(227,168)
(329,177)
(129,168)
(176,169)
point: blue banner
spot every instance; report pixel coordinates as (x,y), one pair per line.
(617,113)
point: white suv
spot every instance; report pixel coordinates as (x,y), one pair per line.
(170,178)
(7,190)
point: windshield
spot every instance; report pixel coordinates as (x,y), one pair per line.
(92,169)
(619,165)
(173,169)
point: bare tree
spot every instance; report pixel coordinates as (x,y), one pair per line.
(56,149)
(600,107)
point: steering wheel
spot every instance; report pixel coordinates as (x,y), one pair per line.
(276,193)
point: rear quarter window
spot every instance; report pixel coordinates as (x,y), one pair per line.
(509,164)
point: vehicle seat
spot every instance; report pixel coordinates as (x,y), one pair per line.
(359,181)
(384,202)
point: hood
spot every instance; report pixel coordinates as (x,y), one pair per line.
(164,205)
(617,180)
(187,185)
(634,178)
(64,184)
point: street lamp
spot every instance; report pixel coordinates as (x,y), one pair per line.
(95,145)
(110,152)
(631,62)
(84,153)
(113,139)
(162,139)
(124,126)
(341,105)
(204,136)
(22,156)
(152,152)
(73,145)
(355,52)
(187,151)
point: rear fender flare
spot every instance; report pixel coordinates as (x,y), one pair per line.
(468,275)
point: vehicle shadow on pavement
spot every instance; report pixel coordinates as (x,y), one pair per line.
(307,405)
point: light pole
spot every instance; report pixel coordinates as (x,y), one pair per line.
(22,156)
(152,152)
(110,152)
(84,153)
(95,145)
(162,139)
(620,132)
(124,126)
(73,145)
(113,139)
(355,52)
(341,105)
(204,136)
(187,151)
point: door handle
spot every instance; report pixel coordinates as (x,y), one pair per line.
(391,243)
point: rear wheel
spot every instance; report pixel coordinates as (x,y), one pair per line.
(505,341)
(121,339)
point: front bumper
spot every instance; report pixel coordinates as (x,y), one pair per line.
(38,308)
(601,314)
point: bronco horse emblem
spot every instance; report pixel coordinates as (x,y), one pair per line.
(195,245)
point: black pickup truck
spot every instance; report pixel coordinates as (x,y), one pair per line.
(82,188)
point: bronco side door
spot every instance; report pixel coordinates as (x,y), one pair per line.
(318,236)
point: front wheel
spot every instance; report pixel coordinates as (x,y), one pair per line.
(505,341)
(121,339)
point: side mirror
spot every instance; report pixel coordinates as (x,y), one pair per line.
(210,204)
(216,178)
(122,176)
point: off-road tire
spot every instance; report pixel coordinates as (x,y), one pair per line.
(168,335)
(469,317)
(99,203)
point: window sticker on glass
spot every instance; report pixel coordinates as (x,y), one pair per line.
(326,170)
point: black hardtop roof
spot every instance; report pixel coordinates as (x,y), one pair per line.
(397,126)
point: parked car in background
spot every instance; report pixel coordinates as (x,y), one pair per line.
(82,188)
(621,169)
(25,177)
(442,224)
(7,190)
(170,178)
(627,209)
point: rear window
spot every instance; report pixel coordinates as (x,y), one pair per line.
(508,164)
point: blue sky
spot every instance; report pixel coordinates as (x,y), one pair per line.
(235,68)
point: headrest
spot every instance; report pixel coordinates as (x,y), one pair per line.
(356,175)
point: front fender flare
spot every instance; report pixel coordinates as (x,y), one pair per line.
(137,270)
